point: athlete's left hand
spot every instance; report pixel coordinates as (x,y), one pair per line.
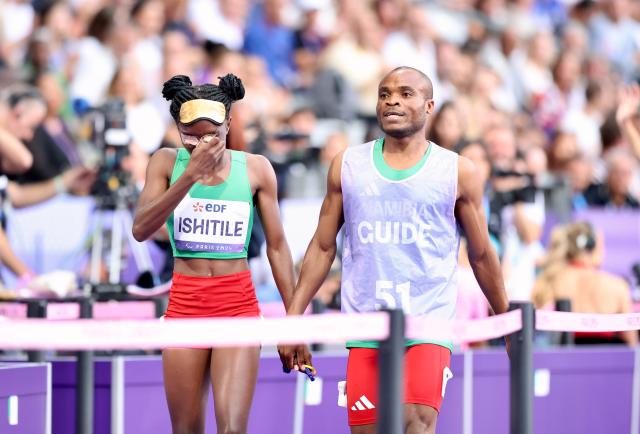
(294,356)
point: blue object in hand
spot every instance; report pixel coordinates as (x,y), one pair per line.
(310,371)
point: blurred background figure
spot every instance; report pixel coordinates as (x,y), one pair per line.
(570,272)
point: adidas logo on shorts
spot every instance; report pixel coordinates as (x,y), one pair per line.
(363,404)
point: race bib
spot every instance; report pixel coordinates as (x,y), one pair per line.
(206,225)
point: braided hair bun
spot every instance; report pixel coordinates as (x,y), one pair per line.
(173,86)
(232,87)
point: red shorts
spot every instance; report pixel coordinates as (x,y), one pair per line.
(218,296)
(426,372)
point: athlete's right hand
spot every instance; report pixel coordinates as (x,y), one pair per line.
(294,356)
(205,157)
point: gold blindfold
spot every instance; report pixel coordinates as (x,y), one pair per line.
(198,109)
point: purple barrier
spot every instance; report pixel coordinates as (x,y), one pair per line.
(578,390)
(583,390)
(273,406)
(23,398)
(64,396)
(591,391)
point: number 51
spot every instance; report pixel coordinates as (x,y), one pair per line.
(387,295)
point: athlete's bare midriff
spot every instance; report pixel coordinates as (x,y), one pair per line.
(203,267)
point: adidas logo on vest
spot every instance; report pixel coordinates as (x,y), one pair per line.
(363,404)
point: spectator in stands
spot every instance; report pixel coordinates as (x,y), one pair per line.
(17,24)
(36,61)
(534,71)
(575,38)
(57,18)
(309,42)
(24,111)
(223,21)
(615,36)
(309,180)
(148,17)
(34,122)
(520,209)
(585,122)
(566,93)
(96,62)
(53,145)
(579,170)
(570,271)
(615,192)
(447,127)
(413,44)
(267,36)
(76,180)
(563,149)
(356,56)
(14,155)
(144,123)
(627,116)
(14,159)
(390,14)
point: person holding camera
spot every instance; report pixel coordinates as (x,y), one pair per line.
(15,158)
(517,208)
(23,112)
(206,195)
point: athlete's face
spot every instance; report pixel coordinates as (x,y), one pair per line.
(404,102)
(192,134)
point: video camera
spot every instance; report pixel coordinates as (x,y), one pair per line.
(110,137)
(526,193)
(503,194)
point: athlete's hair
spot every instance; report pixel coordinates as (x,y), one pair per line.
(179,90)
(567,243)
(425,77)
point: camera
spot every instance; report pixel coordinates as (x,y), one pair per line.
(508,188)
(526,193)
(111,138)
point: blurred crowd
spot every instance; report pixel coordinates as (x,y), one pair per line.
(541,94)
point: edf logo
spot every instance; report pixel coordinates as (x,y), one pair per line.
(210,207)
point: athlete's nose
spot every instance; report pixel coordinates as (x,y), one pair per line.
(392,101)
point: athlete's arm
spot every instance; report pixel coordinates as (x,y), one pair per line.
(278,250)
(471,218)
(157,199)
(322,249)
(317,262)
